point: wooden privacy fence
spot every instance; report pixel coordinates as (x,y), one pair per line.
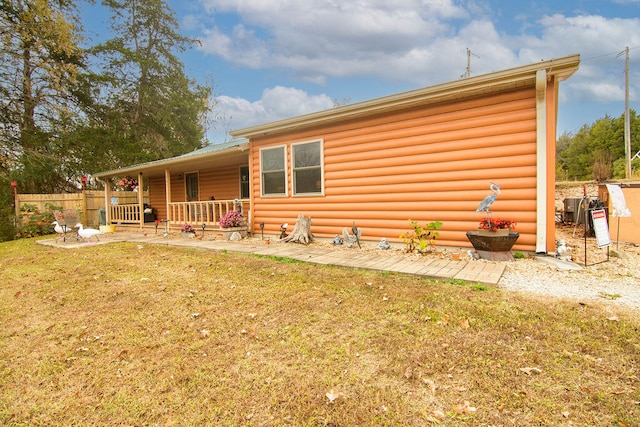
(87,204)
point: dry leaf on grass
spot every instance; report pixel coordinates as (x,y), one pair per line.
(465,324)
(529,371)
(431,384)
(439,414)
(408,373)
(333,395)
(465,408)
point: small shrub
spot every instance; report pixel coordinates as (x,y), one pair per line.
(421,239)
(34,223)
(519,255)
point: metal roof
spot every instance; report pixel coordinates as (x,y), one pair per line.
(211,154)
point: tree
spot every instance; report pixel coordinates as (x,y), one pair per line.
(149,109)
(39,64)
(597,150)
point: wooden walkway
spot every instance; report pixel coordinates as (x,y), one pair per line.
(471,271)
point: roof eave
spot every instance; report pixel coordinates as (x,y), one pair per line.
(562,68)
(171,162)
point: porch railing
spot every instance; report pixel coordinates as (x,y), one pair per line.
(125,214)
(203,212)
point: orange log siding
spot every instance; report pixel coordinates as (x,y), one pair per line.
(431,163)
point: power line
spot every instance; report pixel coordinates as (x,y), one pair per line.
(617,53)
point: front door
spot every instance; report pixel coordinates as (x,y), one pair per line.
(244,182)
(191,181)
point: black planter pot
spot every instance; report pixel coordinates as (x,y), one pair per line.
(493,247)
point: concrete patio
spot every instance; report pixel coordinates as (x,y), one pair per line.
(479,271)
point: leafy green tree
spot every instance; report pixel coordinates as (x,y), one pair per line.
(148,108)
(39,64)
(596,151)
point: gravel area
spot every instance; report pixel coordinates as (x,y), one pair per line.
(615,282)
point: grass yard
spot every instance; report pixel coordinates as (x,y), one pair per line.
(123,334)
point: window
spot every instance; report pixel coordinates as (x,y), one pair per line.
(307,168)
(244,182)
(272,170)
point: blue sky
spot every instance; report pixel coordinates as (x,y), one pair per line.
(274,59)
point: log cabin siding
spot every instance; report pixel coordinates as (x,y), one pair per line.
(431,163)
(158,197)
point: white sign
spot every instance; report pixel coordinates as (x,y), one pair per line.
(601,227)
(618,202)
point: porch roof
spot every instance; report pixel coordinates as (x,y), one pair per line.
(209,156)
(524,76)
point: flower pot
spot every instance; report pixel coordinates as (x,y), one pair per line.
(187,234)
(227,232)
(108,228)
(493,246)
(499,232)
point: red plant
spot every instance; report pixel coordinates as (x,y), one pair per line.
(497,224)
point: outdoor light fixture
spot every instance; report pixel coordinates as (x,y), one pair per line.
(203,227)
(262,229)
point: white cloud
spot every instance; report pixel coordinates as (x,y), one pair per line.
(275,104)
(417,41)
(333,38)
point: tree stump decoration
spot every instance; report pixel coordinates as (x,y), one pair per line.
(301,231)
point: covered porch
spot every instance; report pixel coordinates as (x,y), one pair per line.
(198,188)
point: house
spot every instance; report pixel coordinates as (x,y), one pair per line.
(426,155)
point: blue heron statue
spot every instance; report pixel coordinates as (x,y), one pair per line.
(488,201)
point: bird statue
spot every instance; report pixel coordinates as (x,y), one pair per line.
(87,233)
(488,201)
(356,233)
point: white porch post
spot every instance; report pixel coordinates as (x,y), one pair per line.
(167,187)
(541,161)
(140,189)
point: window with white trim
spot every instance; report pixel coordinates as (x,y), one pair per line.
(273,171)
(307,168)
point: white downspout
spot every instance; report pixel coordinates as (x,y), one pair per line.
(541,161)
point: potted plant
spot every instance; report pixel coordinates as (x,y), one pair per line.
(231,222)
(499,226)
(188,230)
(494,238)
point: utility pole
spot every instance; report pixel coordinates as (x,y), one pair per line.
(467,74)
(627,124)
